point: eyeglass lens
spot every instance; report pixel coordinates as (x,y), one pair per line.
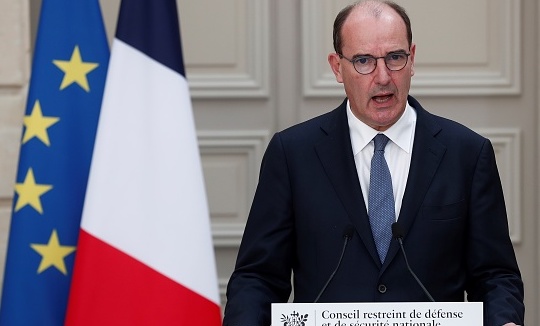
(394,61)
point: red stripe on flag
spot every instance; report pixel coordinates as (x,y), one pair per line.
(120,290)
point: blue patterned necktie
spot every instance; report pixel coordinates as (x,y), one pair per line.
(381,198)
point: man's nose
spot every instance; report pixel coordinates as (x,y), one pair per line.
(382,73)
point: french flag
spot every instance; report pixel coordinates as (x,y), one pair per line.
(145,254)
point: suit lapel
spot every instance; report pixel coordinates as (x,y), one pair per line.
(335,154)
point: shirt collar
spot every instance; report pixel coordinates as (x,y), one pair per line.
(401,133)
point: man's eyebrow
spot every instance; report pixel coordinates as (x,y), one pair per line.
(398,51)
(359,55)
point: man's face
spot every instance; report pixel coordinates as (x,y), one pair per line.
(379,98)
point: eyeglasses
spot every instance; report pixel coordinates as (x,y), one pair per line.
(366,64)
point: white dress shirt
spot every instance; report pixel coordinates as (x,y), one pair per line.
(397,152)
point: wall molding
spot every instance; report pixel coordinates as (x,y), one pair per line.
(501,75)
(253,81)
(250,145)
(222,287)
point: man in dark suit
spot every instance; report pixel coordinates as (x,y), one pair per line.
(314,188)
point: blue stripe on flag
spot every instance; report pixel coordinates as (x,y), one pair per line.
(147,26)
(63,105)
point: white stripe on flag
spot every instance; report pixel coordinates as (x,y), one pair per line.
(146,193)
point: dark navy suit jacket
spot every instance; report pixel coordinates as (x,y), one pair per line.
(453,217)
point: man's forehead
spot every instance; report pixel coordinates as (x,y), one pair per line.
(364,20)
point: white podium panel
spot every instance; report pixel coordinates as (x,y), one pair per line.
(378,314)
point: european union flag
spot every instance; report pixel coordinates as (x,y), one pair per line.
(68,76)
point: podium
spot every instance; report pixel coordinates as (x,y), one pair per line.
(378,314)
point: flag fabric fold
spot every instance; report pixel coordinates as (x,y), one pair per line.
(59,126)
(145,254)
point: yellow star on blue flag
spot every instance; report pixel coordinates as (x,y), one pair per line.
(29,192)
(58,131)
(36,125)
(75,70)
(52,254)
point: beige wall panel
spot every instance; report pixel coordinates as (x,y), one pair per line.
(109,11)
(231,163)
(15,43)
(465,48)
(5,219)
(451,33)
(11,116)
(225,261)
(9,152)
(226,173)
(226,47)
(14,70)
(317,21)
(536,258)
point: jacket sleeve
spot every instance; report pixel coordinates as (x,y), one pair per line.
(262,273)
(494,276)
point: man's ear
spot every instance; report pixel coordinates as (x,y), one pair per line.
(412,57)
(335,64)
